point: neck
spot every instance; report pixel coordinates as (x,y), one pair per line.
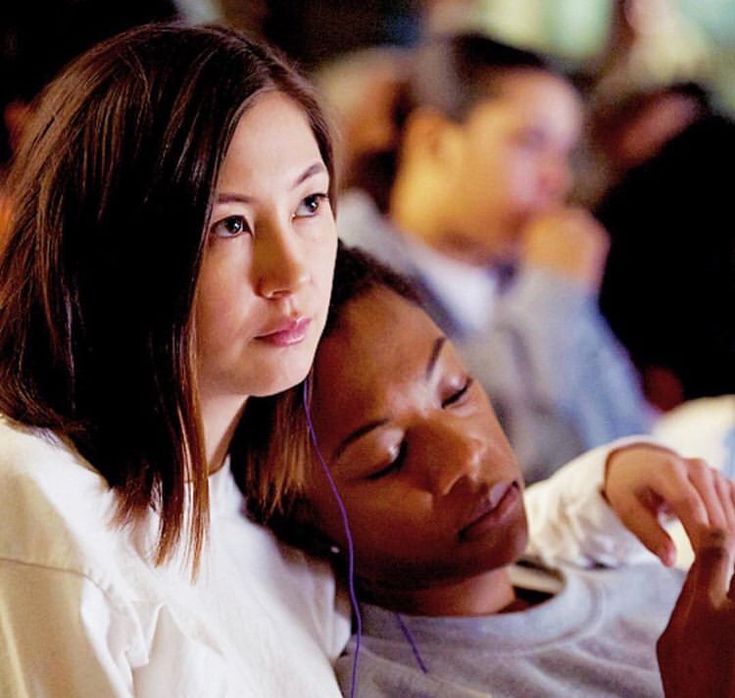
(220,416)
(484,594)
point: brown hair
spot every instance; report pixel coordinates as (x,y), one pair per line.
(111,194)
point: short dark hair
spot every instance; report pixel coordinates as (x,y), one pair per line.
(276,450)
(110,196)
(453,73)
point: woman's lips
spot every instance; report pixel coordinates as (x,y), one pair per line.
(492,510)
(286,333)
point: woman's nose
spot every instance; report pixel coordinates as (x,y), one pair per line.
(457,455)
(281,267)
(556,180)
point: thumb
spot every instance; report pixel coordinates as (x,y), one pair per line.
(712,570)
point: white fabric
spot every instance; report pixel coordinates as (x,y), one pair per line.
(569,520)
(468,291)
(703,428)
(84,613)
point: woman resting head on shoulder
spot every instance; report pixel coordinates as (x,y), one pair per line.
(433,496)
(170,254)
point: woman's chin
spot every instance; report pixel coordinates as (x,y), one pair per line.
(280,381)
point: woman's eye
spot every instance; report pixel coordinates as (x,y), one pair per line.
(394,465)
(230,227)
(457,396)
(310,206)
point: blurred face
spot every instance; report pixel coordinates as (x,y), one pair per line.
(513,161)
(431,487)
(267,269)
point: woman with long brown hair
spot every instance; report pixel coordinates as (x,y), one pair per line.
(170,254)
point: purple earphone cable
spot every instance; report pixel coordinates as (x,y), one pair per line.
(414,647)
(348,535)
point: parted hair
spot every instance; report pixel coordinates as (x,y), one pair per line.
(110,198)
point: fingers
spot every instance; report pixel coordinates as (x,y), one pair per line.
(713,565)
(644,524)
(709,580)
(684,498)
(726,492)
(643,481)
(700,497)
(705,481)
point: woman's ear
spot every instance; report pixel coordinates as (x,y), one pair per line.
(432,138)
(299,528)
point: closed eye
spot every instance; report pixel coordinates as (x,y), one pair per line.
(394,466)
(457,396)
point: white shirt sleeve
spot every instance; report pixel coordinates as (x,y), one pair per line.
(59,636)
(570,521)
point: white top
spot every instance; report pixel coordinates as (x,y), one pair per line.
(83,612)
(469,291)
(703,428)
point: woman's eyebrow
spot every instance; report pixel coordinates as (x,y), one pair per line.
(356,434)
(434,356)
(227,198)
(316,168)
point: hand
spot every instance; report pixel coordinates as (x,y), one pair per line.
(570,242)
(643,481)
(696,653)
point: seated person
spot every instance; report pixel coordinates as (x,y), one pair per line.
(433,495)
(477,217)
(669,218)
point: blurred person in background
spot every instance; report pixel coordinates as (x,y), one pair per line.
(363,90)
(476,216)
(668,290)
(624,131)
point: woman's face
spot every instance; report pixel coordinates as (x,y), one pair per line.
(267,270)
(513,160)
(431,487)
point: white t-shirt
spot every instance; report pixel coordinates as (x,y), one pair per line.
(83,612)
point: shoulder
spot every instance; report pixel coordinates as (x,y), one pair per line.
(57,509)
(360,224)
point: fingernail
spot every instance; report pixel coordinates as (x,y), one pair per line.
(667,556)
